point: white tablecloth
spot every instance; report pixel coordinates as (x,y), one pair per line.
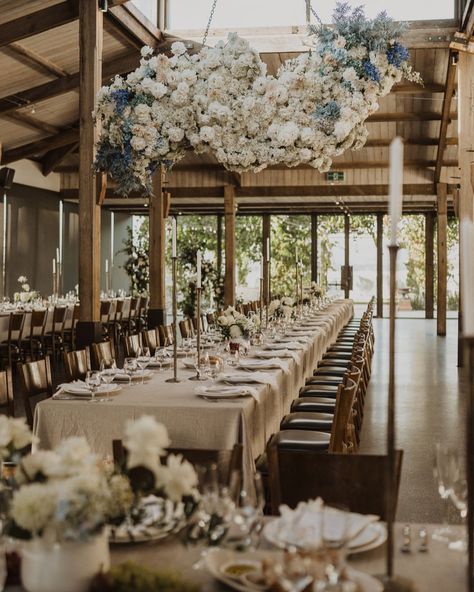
(193,422)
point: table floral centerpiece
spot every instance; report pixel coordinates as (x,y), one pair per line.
(26,295)
(282,308)
(66,499)
(236,327)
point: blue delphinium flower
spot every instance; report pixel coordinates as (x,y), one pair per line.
(397,54)
(121,98)
(329,110)
(371,71)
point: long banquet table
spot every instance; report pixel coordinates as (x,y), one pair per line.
(191,421)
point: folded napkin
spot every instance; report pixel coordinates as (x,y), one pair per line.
(276,353)
(247,377)
(302,526)
(281,343)
(76,388)
(271,364)
(226,392)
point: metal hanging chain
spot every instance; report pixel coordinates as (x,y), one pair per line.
(211,16)
(310,11)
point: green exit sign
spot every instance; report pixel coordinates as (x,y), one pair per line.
(335,176)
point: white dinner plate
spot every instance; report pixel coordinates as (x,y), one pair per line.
(138,375)
(83,391)
(215,559)
(371,537)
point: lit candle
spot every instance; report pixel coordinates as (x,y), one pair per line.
(261,268)
(198,265)
(396,187)
(268,249)
(106,266)
(467,276)
(173,238)
(58,258)
(54,265)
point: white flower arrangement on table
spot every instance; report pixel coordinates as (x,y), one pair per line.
(69,494)
(235,325)
(315,290)
(26,295)
(221,101)
(284,307)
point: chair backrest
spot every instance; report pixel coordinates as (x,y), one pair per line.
(118,310)
(132,345)
(15,327)
(77,363)
(6,393)
(166,335)
(134,307)
(357,481)
(342,414)
(186,328)
(101,351)
(151,339)
(211,319)
(36,383)
(227,461)
(105,309)
(59,318)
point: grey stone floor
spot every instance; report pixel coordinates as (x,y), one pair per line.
(430,408)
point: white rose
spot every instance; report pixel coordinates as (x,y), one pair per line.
(34,506)
(146,434)
(178,477)
(25,287)
(223,320)
(138,143)
(178,48)
(235,331)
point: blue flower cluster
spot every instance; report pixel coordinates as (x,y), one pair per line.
(371,71)
(397,54)
(327,111)
(121,98)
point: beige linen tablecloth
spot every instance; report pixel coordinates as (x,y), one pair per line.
(193,422)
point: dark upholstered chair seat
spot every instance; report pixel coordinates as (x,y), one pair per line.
(330,371)
(302,440)
(341,363)
(323,390)
(315,421)
(324,380)
(338,355)
(314,404)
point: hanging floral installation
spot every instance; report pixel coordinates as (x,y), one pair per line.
(222,101)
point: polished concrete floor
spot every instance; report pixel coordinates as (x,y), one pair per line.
(430,408)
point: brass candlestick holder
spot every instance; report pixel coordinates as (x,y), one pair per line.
(469,355)
(391,582)
(175,323)
(261,304)
(55,283)
(198,336)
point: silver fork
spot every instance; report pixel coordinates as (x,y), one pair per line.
(423,536)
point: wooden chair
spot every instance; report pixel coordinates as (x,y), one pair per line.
(70,329)
(102,351)
(105,312)
(151,339)
(6,393)
(36,385)
(211,319)
(77,364)
(11,348)
(32,344)
(54,339)
(227,461)
(166,335)
(356,481)
(132,344)
(186,328)
(142,320)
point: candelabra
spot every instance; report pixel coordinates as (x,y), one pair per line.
(175,323)
(198,336)
(261,304)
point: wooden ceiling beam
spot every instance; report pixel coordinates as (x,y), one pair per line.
(38,62)
(32,122)
(129,24)
(63,138)
(406,116)
(38,21)
(54,157)
(445,112)
(384,142)
(60,86)
(411,87)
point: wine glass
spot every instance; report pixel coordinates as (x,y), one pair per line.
(93,382)
(246,525)
(130,367)
(458,495)
(446,461)
(334,534)
(108,371)
(143,360)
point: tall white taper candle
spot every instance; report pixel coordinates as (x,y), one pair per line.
(396,187)
(106,266)
(198,265)
(268,249)
(54,265)
(467,281)
(261,267)
(173,238)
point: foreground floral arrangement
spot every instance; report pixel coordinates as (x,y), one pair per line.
(284,307)
(26,294)
(222,101)
(235,325)
(68,494)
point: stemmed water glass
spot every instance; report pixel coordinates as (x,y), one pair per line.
(247,521)
(130,367)
(93,383)
(445,468)
(334,535)
(458,496)
(108,372)
(143,360)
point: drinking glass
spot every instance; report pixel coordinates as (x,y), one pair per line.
(458,496)
(143,360)
(130,366)
(93,382)
(334,533)
(294,572)
(445,468)
(108,371)
(246,525)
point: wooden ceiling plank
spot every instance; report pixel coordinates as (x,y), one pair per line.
(38,21)
(132,27)
(54,157)
(407,116)
(25,119)
(35,60)
(445,113)
(60,86)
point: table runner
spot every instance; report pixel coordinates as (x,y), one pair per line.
(193,422)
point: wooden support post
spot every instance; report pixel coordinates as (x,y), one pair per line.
(219,245)
(90,79)
(314,247)
(429,265)
(347,230)
(379,266)
(157,252)
(266,232)
(442,258)
(229,211)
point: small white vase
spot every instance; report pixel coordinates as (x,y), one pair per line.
(63,567)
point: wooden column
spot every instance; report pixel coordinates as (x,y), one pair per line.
(379,266)
(442,258)
(219,244)
(266,232)
(157,209)
(229,212)
(429,265)
(314,247)
(90,80)
(347,230)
